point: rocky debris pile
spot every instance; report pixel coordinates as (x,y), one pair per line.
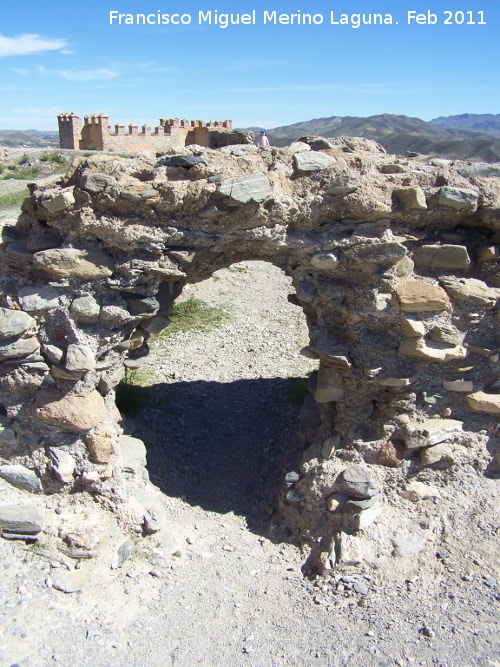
(394,262)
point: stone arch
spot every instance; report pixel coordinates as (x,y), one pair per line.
(394,263)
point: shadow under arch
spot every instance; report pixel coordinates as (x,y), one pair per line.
(227,448)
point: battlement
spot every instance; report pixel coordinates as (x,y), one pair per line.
(95,133)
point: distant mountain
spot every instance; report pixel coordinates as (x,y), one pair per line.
(29,138)
(397,134)
(485,122)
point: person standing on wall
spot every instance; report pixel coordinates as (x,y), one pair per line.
(263,140)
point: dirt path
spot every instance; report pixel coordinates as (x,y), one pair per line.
(213,589)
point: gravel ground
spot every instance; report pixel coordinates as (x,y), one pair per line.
(222,585)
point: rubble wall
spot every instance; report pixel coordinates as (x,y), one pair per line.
(394,260)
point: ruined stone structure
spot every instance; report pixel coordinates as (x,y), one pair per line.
(395,262)
(96,134)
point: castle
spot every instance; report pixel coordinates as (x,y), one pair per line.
(96,134)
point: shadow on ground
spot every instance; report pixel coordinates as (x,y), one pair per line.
(222,446)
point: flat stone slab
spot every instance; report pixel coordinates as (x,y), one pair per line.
(442,257)
(21,478)
(355,481)
(74,263)
(245,189)
(431,432)
(312,161)
(38,299)
(480,401)
(470,290)
(458,198)
(343,185)
(14,323)
(20,520)
(419,296)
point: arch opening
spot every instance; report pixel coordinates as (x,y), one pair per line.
(221,407)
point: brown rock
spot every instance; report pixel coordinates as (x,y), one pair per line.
(480,401)
(419,296)
(391,454)
(73,412)
(422,349)
(74,263)
(100,445)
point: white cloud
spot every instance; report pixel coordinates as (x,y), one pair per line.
(20,70)
(27,44)
(88,75)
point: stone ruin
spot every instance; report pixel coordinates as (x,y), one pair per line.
(395,263)
(95,133)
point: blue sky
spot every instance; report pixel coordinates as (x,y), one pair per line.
(65,56)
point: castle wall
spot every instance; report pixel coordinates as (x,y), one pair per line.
(96,134)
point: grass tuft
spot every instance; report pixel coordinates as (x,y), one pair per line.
(195,315)
(13,199)
(130,393)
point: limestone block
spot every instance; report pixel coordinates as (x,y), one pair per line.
(422,349)
(391,169)
(298,147)
(430,432)
(85,307)
(244,189)
(419,296)
(441,455)
(14,323)
(38,299)
(22,347)
(343,185)
(306,163)
(376,253)
(21,478)
(462,386)
(442,257)
(412,328)
(411,198)
(471,291)
(329,386)
(326,261)
(139,192)
(394,382)
(100,445)
(80,358)
(480,401)
(20,520)
(74,263)
(71,412)
(458,198)
(447,333)
(59,202)
(95,183)
(403,268)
